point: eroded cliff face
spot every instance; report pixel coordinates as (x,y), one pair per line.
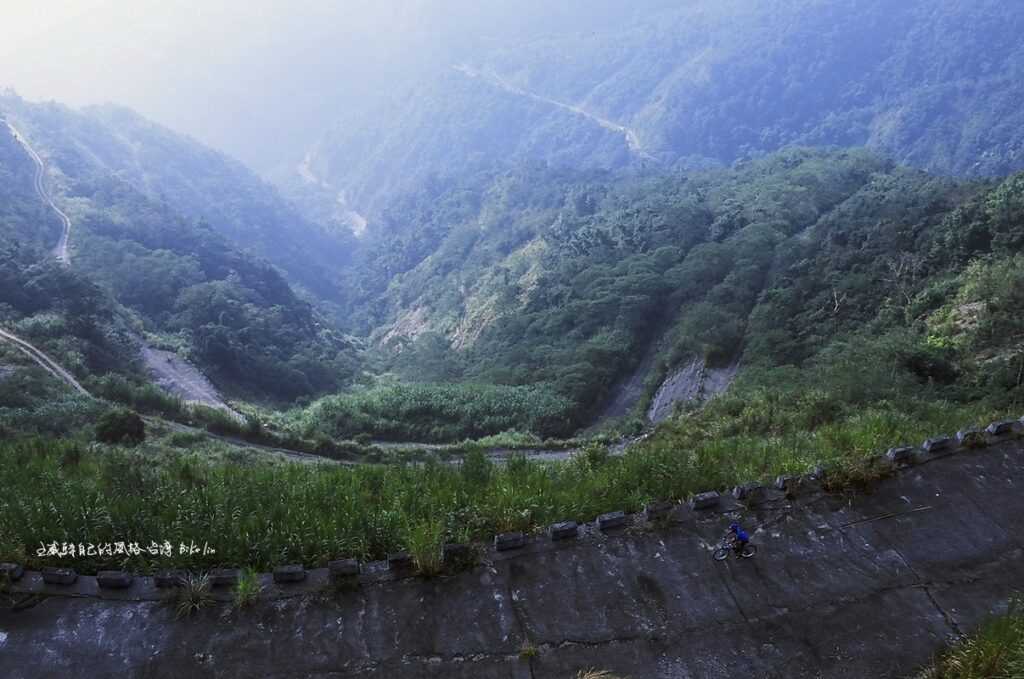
(865,585)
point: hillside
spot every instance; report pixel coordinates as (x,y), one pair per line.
(934,85)
(192,180)
(561,282)
(138,265)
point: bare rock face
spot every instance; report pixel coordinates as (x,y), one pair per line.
(695,381)
(865,587)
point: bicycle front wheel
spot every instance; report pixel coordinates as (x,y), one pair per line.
(720,554)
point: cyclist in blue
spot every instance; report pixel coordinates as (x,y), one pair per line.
(739,537)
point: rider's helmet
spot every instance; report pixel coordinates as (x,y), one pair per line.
(734,527)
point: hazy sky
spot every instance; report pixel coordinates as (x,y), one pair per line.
(260,79)
(229,72)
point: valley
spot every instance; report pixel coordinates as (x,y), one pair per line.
(618,274)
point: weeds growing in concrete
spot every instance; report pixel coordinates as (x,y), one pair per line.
(528,651)
(996,651)
(247,589)
(193,595)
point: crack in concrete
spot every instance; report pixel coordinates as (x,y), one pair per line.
(950,621)
(520,617)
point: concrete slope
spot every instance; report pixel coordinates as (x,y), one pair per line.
(867,585)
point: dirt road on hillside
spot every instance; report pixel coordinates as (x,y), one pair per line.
(44,361)
(60,251)
(630,135)
(171,372)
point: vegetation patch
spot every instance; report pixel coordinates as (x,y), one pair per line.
(193,595)
(262,515)
(247,589)
(996,651)
(438,412)
(121,426)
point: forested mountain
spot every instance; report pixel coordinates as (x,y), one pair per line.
(139,265)
(194,181)
(935,85)
(552,203)
(560,281)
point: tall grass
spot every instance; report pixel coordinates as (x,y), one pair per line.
(438,413)
(247,589)
(996,651)
(193,595)
(264,515)
(425,542)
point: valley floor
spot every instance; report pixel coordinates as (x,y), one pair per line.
(843,586)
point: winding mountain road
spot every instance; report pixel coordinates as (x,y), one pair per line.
(44,361)
(60,251)
(631,137)
(183,379)
(170,371)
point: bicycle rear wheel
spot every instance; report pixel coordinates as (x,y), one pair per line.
(748,551)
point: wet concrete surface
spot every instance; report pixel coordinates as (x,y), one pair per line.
(861,585)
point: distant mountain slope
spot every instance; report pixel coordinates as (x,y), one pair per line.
(563,280)
(231,312)
(193,180)
(935,85)
(23,217)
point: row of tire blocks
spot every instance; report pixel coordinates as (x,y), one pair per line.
(12,572)
(942,446)
(611,522)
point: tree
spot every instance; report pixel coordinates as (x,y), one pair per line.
(121,426)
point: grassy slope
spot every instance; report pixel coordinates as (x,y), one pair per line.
(262,516)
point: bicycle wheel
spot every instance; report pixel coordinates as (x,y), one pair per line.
(748,551)
(720,554)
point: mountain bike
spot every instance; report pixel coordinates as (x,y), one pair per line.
(728,545)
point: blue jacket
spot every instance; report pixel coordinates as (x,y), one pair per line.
(742,536)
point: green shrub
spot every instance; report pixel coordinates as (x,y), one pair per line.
(121,426)
(185,439)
